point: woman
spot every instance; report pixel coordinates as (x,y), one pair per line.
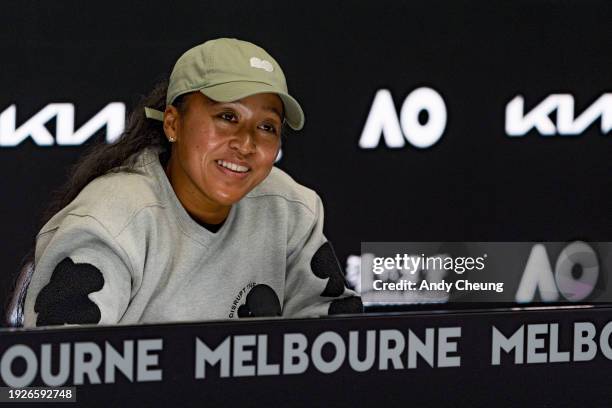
(187,219)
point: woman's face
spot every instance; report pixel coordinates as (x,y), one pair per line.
(222,150)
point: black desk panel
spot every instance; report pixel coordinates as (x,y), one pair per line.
(522,357)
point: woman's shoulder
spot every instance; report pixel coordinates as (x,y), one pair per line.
(112,199)
(281,186)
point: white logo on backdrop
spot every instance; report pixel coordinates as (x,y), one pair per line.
(519,122)
(112,116)
(538,274)
(383,120)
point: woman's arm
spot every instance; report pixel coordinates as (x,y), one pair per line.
(82,275)
(315,283)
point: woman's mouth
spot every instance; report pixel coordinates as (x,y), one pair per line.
(232,169)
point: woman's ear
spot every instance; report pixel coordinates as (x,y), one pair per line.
(171,122)
(279,152)
(281,139)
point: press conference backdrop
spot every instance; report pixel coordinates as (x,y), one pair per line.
(426,120)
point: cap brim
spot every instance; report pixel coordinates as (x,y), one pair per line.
(233,91)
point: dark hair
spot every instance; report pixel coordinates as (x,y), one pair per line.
(140,133)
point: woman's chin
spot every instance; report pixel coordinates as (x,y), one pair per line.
(228,199)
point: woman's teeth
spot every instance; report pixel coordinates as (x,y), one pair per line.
(232,166)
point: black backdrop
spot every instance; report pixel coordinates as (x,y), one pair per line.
(475,184)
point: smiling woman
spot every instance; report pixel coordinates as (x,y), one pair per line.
(185,217)
(221,151)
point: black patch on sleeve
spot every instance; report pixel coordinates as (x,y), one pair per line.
(64,299)
(261,301)
(346,306)
(325,265)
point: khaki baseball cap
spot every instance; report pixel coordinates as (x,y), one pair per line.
(226,70)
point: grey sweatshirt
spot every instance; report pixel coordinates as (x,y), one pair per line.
(125,251)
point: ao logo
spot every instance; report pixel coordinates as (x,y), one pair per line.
(519,123)
(112,116)
(383,120)
(538,274)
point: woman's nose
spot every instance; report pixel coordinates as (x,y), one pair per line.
(243,141)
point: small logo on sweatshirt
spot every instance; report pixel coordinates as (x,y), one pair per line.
(255,300)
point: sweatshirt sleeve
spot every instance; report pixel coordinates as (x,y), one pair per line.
(81,276)
(315,283)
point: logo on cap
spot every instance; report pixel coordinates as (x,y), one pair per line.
(261,64)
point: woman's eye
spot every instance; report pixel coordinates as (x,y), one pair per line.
(228,116)
(268,128)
